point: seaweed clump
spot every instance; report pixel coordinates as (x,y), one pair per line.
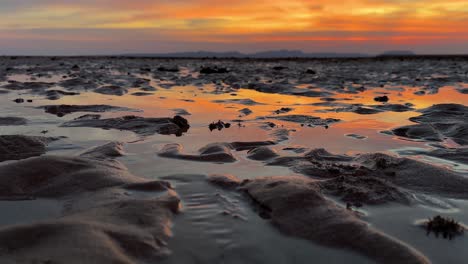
(219,125)
(449,228)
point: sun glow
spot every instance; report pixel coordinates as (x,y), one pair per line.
(241,21)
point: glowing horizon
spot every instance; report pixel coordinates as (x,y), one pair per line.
(365,26)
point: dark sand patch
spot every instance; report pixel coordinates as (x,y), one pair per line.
(78,84)
(141,94)
(62,110)
(356,136)
(438,123)
(245,111)
(57,94)
(287,89)
(305,119)
(395,107)
(376,178)
(111,90)
(33,87)
(181,111)
(139,125)
(237,101)
(281,134)
(463,90)
(16,147)
(13,121)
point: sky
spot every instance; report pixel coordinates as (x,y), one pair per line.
(87,27)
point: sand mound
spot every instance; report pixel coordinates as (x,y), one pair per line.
(453,154)
(57,176)
(16,147)
(111,90)
(132,231)
(437,123)
(224,180)
(376,178)
(214,152)
(102,223)
(211,153)
(139,125)
(261,153)
(296,206)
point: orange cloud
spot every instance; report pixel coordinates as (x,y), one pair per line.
(416,21)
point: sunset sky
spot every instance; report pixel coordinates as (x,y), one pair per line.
(43,27)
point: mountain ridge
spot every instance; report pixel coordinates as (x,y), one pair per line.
(261,54)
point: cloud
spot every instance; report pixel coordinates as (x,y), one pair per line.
(236,21)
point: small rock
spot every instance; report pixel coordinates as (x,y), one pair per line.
(381,99)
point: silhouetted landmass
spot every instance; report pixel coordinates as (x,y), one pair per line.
(263,54)
(398,53)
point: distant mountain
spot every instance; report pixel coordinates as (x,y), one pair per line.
(194,54)
(398,53)
(235,54)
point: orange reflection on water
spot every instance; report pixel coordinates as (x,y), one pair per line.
(200,103)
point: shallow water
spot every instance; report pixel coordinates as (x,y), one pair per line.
(202,233)
(218,226)
(29,211)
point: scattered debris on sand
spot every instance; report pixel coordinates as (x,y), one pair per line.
(220,125)
(306,120)
(283,110)
(448,228)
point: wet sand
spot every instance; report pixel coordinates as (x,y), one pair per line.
(322,126)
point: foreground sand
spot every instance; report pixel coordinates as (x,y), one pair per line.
(233,166)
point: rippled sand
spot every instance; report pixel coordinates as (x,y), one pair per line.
(332,106)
